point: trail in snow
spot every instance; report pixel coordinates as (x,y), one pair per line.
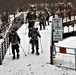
(32,64)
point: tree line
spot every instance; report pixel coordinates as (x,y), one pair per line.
(12,5)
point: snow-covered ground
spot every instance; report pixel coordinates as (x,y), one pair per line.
(33,64)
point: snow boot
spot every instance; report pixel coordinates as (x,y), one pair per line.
(32,52)
(37,53)
(18,56)
(13,57)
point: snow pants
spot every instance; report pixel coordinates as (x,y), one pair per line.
(15,47)
(42,24)
(35,43)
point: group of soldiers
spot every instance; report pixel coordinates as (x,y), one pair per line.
(33,32)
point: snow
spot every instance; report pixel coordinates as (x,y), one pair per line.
(33,64)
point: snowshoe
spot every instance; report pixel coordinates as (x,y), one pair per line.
(37,53)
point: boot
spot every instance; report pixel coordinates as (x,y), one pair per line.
(32,52)
(13,57)
(37,53)
(18,56)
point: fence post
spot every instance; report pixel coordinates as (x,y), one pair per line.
(51,47)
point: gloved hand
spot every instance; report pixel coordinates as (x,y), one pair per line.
(19,42)
(39,36)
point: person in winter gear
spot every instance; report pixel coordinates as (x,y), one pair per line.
(47,14)
(31,17)
(14,39)
(42,19)
(34,34)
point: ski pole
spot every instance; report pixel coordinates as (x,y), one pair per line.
(41,46)
(23,50)
(28,46)
(9,50)
(25,29)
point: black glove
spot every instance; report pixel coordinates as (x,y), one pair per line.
(39,36)
(19,42)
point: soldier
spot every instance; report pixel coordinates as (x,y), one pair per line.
(42,19)
(47,14)
(14,39)
(31,18)
(34,39)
